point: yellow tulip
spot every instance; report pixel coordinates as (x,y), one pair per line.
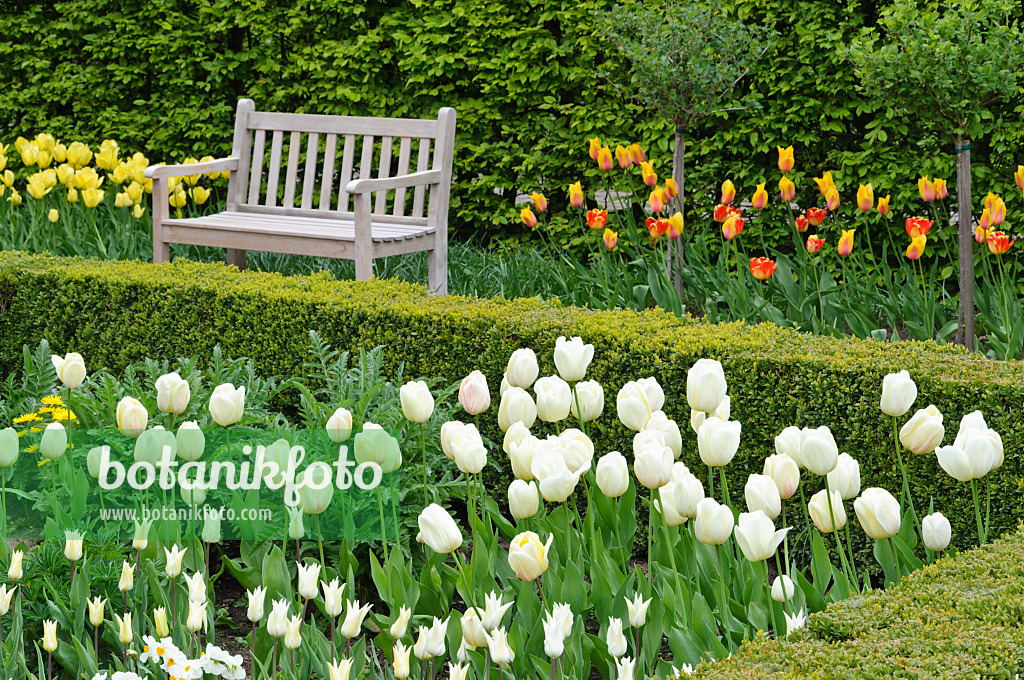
(15,197)
(120,174)
(137,171)
(53,215)
(832,198)
(865,198)
(137,211)
(825,183)
(36,187)
(60,152)
(177,198)
(121,200)
(65,174)
(79,155)
(845,246)
(92,197)
(45,141)
(760,199)
(148,184)
(173,183)
(785,158)
(212,175)
(44,158)
(72,195)
(135,192)
(787,189)
(28,153)
(190,180)
(49,177)
(8,178)
(20,143)
(87,178)
(106,157)
(3,162)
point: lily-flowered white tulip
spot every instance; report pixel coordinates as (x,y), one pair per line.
(616,640)
(474,396)
(16,569)
(196,587)
(438,530)
(718,440)
(277,622)
(527,556)
(160,622)
(633,408)
(70,369)
(669,431)
(522,369)
(572,358)
(457,671)
(97,607)
(5,599)
(796,621)
(435,637)
(401,657)
(421,648)
(563,613)
(624,668)
(497,645)
(172,393)
(762,494)
(757,537)
(713,522)
(296,528)
(227,404)
(354,616)
(637,609)
(50,636)
(612,474)
(334,598)
(174,556)
(818,450)
(417,401)
(878,513)
(516,406)
(196,616)
(554,641)
(401,623)
(339,425)
(523,499)
(124,628)
(293,633)
(73,545)
(494,610)
(827,521)
(705,385)
(845,479)
(340,670)
(783,589)
(588,400)
(256,596)
(924,431)
(127,580)
(936,532)
(784,472)
(898,393)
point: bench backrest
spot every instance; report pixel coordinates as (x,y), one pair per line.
(298,164)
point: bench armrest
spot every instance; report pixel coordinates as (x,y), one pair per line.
(220,165)
(361,186)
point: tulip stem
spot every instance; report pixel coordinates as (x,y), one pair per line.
(672,561)
(462,569)
(725,487)
(770,602)
(725,601)
(896,560)
(903,471)
(977,512)
(839,544)
(423,450)
(320,537)
(252,645)
(383,532)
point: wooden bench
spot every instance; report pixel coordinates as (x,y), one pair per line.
(392,213)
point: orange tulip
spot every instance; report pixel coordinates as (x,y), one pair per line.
(999,243)
(623,157)
(1018,177)
(637,154)
(787,189)
(832,199)
(785,158)
(529,219)
(825,183)
(732,228)
(539,202)
(650,177)
(604,158)
(611,239)
(762,268)
(671,188)
(596,219)
(814,244)
(657,227)
(846,242)
(595,147)
(815,216)
(675,226)
(916,248)
(657,200)
(801,224)
(721,212)
(918,226)
(981,234)
(926,189)
(760,199)
(728,192)
(865,198)
(939,185)
(883,206)
(576,195)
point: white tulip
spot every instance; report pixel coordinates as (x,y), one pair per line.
(521,455)
(70,370)
(417,401)
(309,580)
(572,358)
(553,399)
(653,391)
(435,637)
(523,499)
(898,393)
(54,441)
(257,596)
(438,530)
(787,443)
(468,451)
(354,616)
(981,452)
(553,639)
(9,447)
(845,479)
(339,425)
(401,665)
(515,435)
(494,610)
(722,412)
(589,398)
(227,404)
(450,431)
(705,385)
(474,396)
(878,513)
(73,545)
(563,613)
(713,523)
(616,640)
(718,440)
(757,537)
(528,557)
(293,633)
(924,431)
(637,609)
(516,406)
(497,645)
(819,452)
(661,423)
(821,516)
(131,417)
(473,631)
(796,621)
(172,393)
(761,494)
(175,556)
(277,622)
(196,620)
(653,466)
(668,506)
(783,589)
(624,668)
(557,481)
(936,532)
(401,623)
(522,369)
(689,492)
(191,441)
(784,473)
(633,408)
(612,474)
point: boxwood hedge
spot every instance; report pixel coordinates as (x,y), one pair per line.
(962,617)
(115,313)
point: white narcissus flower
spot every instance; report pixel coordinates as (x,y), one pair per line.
(878,513)
(516,406)
(821,515)
(227,404)
(652,390)
(438,530)
(474,396)
(417,401)
(669,431)
(339,425)
(713,522)
(757,537)
(637,609)
(523,499)
(616,640)
(554,396)
(70,369)
(588,400)
(256,596)
(718,440)
(527,556)
(784,471)
(401,623)
(632,406)
(783,589)
(936,532)
(898,393)
(334,597)
(845,479)
(762,494)
(924,431)
(172,393)
(354,616)
(705,385)
(522,369)
(572,358)
(612,474)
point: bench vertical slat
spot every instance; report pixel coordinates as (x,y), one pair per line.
(422,164)
(256,173)
(275,168)
(327,176)
(347,160)
(403,169)
(309,174)
(383,171)
(241,148)
(365,164)
(290,178)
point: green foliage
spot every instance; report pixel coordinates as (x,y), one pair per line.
(117,313)
(957,618)
(944,66)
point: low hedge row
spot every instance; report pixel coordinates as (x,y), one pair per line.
(115,313)
(962,617)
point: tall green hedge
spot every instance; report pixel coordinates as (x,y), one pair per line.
(528,77)
(962,617)
(116,313)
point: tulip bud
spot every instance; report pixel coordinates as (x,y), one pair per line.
(211,527)
(296,530)
(339,425)
(172,393)
(527,556)
(554,642)
(522,368)
(633,408)
(191,442)
(616,640)
(705,385)
(818,507)
(612,474)
(316,488)
(124,628)
(878,513)
(783,589)
(718,440)
(438,530)
(127,580)
(473,394)
(73,545)
(845,478)
(256,596)
(761,494)
(936,532)
(818,450)
(174,556)
(924,431)
(70,370)
(713,522)
(523,499)
(554,397)
(417,401)
(8,447)
(227,404)
(160,622)
(898,393)
(16,570)
(516,406)
(54,441)
(784,473)
(756,536)
(588,400)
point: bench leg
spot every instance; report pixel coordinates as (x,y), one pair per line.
(364,268)
(161,252)
(437,270)
(236,258)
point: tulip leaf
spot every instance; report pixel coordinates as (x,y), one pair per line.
(276,578)
(821,566)
(884,554)
(815,602)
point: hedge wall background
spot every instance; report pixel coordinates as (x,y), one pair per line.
(120,312)
(526,77)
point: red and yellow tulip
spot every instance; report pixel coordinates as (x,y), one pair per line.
(576,195)
(760,199)
(539,202)
(816,216)
(528,218)
(623,157)
(595,147)
(637,154)
(656,226)
(732,227)
(596,219)
(787,190)
(671,188)
(926,189)
(985,221)
(604,158)
(785,158)
(939,185)
(999,243)
(815,244)
(883,206)
(728,192)
(657,200)
(825,183)
(1018,177)
(762,268)
(832,199)
(918,226)
(997,209)
(647,171)
(845,246)
(916,248)
(981,234)
(610,238)
(675,225)
(802,224)
(865,198)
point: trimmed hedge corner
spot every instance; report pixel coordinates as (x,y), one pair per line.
(962,617)
(115,313)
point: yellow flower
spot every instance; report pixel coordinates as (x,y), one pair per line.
(106,157)
(45,141)
(49,177)
(121,200)
(148,184)
(29,152)
(207,159)
(8,178)
(72,195)
(53,215)
(92,197)
(44,158)
(136,171)
(3,162)
(52,401)
(120,173)
(65,173)
(33,449)
(20,143)
(137,211)
(15,197)
(173,183)
(79,155)
(88,178)
(60,152)
(199,194)
(27,418)
(36,187)
(135,192)
(60,414)
(177,198)
(190,180)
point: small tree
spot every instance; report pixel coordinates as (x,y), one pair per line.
(687,61)
(946,67)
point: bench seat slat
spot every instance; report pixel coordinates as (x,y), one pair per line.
(333,215)
(322,228)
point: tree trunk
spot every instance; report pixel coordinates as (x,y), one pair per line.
(678,168)
(966,222)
